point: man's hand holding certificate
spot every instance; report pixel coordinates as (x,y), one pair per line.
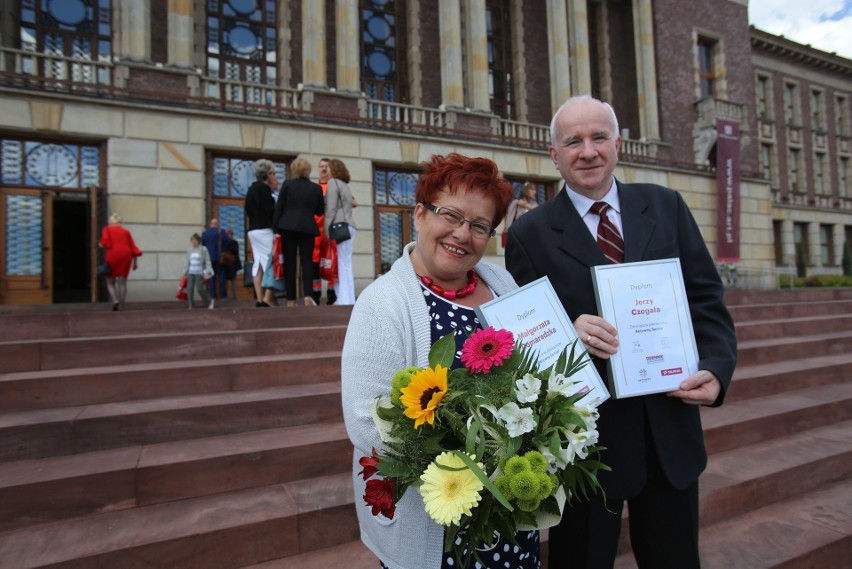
(647,303)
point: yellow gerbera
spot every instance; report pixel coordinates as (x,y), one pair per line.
(447,494)
(423,394)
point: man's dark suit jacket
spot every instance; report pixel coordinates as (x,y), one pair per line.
(553,240)
(298,202)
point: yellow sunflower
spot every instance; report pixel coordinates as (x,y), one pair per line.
(423,394)
(447,494)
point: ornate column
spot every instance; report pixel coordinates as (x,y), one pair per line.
(180,33)
(313,44)
(646,69)
(476,37)
(579,38)
(452,86)
(346,21)
(557,50)
(135,30)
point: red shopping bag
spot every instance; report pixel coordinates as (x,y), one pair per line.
(181,292)
(277,257)
(328,260)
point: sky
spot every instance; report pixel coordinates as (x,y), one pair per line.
(824,24)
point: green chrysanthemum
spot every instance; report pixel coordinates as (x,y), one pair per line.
(529,505)
(545,487)
(516,465)
(400,380)
(524,485)
(537,461)
(502,483)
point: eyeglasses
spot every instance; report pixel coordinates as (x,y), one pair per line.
(455,219)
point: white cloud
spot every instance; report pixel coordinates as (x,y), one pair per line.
(824,24)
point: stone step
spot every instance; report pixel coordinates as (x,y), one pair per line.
(76,323)
(793,327)
(770,379)
(787,308)
(737,297)
(49,389)
(758,421)
(225,531)
(70,430)
(812,530)
(46,490)
(351,555)
(757,352)
(71,353)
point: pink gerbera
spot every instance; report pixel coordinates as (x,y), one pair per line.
(487,348)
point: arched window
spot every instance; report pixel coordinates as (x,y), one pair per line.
(498,30)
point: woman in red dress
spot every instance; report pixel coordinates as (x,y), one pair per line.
(121,253)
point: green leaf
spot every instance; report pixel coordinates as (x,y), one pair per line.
(443,351)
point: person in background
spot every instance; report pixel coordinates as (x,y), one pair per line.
(395,322)
(299,202)
(260,208)
(216,241)
(121,254)
(524,203)
(339,203)
(231,270)
(654,443)
(198,268)
(331,297)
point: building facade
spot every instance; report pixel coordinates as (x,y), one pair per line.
(156,110)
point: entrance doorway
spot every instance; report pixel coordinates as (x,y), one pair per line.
(71,262)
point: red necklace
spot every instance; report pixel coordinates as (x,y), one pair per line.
(464,291)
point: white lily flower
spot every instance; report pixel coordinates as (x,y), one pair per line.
(518,421)
(528,388)
(558,384)
(553,464)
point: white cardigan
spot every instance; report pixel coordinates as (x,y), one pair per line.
(389,330)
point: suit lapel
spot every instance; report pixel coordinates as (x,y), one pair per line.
(636,222)
(570,233)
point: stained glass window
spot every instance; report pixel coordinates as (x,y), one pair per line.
(242,41)
(24,239)
(394,198)
(499,38)
(70,30)
(232,177)
(383,66)
(48,164)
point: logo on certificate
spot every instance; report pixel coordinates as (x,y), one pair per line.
(672,371)
(658,359)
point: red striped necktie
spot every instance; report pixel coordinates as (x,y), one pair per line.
(609,239)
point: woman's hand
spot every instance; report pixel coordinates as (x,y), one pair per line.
(598,336)
(135,266)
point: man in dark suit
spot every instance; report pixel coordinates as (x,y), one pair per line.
(216,241)
(654,443)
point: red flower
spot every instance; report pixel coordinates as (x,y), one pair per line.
(369,463)
(379,494)
(487,348)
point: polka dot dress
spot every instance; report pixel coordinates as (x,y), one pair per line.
(447,317)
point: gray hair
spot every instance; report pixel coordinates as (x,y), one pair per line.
(579,99)
(262,168)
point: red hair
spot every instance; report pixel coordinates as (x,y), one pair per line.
(454,173)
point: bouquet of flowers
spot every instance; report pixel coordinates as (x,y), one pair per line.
(494,447)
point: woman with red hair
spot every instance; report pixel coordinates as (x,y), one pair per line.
(431,290)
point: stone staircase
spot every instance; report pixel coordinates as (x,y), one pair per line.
(157,437)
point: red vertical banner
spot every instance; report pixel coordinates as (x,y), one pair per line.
(728,191)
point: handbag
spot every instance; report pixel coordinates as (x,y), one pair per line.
(103,269)
(339,231)
(328,261)
(181,292)
(269,280)
(226,258)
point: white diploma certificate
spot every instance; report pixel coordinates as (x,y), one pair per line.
(537,319)
(647,303)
